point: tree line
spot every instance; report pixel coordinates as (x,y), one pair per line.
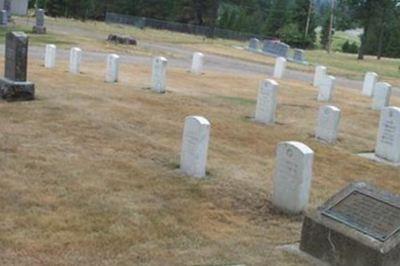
(293,21)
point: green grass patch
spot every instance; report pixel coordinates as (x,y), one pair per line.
(237,100)
(36,39)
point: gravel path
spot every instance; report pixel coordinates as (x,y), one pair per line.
(213,62)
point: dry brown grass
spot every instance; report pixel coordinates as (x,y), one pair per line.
(89,170)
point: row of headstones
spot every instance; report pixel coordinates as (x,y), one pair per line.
(159,83)
(277,48)
(293,170)
(380,91)
(294,166)
(293,173)
(328,117)
(38,28)
(388,141)
(292,180)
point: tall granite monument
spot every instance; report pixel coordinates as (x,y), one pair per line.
(14,86)
(39,28)
(7,7)
(3,19)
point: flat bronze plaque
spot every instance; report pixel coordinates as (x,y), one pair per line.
(367,214)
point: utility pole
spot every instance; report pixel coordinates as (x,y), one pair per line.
(310,8)
(331,26)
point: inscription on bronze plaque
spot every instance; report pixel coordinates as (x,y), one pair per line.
(367,214)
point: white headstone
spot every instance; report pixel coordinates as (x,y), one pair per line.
(382,94)
(112,68)
(293,175)
(326,88)
(159,82)
(319,76)
(197,63)
(280,67)
(328,123)
(266,102)
(50,56)
(370,80)
(196,136)
(75,60)
(388,141)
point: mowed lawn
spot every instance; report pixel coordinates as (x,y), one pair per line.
(90,171)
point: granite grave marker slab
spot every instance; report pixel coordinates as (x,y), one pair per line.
(280,67)
(298,56)
(7,7)
(75,58)
(159,74)
(388,140)
(266,102)
(381,95)
(254,44)
(14,86)
(50,56)
(359,226)
(319,76)
(39,28)
(3,18)
(197,63)
(370,81)
(326,88)
(293,175)
(328,123)
(196,135)
(276,48)
(112,68)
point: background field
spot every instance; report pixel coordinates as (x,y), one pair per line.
(89,171)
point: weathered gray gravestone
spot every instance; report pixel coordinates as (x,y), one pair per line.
(14,86)
(3,18)
(7,7)
(39,28)
(276,48)
(254,44)
(298,56)
(359,226)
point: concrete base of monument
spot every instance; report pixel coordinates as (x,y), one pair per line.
(16,90)
(358,226)
(294,249)
(39,30)
(371,156)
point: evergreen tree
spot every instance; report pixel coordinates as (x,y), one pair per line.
(324,41)
(276,18)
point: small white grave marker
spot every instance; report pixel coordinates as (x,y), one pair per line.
(112,68)
(370,80)
(326,89)
(75,60)
(388,141)
(319,76)
(293,175)
(266,102)
(50,56)
(196,135)
(159,82)
(197,63)
(382,94)
(328,123)
(280,67)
